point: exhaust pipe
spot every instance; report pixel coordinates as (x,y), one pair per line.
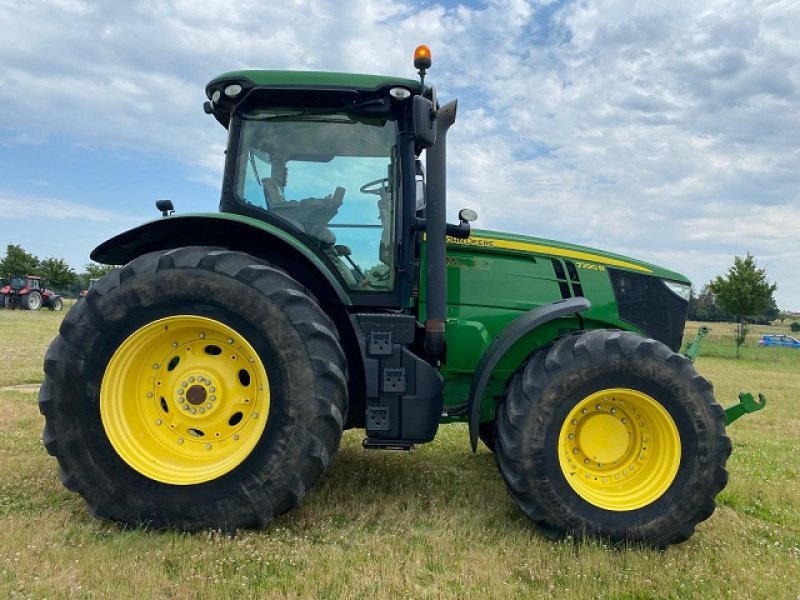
(436,224)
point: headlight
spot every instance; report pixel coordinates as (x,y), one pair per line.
(682,290)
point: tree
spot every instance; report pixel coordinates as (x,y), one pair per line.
(703,307)
(57,272)
(95,270)
(18,262)
(745,292)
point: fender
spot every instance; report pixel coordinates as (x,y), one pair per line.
(511,334)
(235,232)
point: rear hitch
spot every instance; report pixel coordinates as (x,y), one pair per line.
(747,404)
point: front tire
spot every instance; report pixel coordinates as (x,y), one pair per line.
(612,435)
(194,388)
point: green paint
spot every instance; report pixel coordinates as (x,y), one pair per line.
(747,404)
(312,78)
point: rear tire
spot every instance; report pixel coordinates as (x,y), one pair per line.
(56,304)
(612,435)
(33,300)
(242,345)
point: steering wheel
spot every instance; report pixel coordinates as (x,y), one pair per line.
(375,187)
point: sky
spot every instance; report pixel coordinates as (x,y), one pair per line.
(664,130)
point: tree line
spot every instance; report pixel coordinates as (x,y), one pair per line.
(59,275)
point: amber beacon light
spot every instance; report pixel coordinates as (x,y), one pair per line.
(422,58)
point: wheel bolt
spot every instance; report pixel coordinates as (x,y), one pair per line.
(209,405)
(149,394)
(613,411)
(180,391)
(212,389)
(174,344)
(193,410)
(185,407)
(255,415)
(212,398)
(184,384)
(155,366)
(574,450)
(598,407)
(208,446)
(235,436)
(158,421)
(586,461)
(202,410)
(180,440)
(202,336)
(230,341)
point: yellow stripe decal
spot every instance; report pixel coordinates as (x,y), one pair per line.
(478,242)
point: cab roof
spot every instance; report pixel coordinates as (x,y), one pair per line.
(312,79)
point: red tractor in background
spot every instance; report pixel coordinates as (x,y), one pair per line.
(29,292)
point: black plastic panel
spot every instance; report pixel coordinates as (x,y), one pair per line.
(644,301)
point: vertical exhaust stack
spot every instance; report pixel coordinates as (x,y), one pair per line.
(436,218)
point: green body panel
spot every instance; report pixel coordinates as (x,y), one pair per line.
(494,277)
(313,79)
(167,231)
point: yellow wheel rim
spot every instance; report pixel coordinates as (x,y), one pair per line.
(184,400)
(619,449)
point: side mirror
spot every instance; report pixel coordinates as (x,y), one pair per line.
(424,117)
(467,214)
(165,206)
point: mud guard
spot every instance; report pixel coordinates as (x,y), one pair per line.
(234,232)
(510,335)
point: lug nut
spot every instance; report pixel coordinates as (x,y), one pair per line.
(158,421)
(149,394)
(180,440)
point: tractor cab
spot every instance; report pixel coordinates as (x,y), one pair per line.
(333,160)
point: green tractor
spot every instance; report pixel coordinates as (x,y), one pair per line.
(206,383)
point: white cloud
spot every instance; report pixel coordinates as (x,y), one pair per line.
(665,129)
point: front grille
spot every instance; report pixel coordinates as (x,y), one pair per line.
(645,302)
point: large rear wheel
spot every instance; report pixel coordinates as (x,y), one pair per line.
(33,300)
(612,435)
(194,388)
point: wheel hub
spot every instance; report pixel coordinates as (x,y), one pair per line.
(619,449)
(204,399)
(196,395)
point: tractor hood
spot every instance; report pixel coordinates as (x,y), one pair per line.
(504,242)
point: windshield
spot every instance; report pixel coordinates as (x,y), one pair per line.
(330,177)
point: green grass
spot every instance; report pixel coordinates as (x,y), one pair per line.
(433,523)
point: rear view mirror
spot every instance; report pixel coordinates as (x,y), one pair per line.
(424,122)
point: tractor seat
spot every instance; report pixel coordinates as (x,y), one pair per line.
(311,215)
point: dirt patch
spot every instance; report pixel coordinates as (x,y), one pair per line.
(25,388)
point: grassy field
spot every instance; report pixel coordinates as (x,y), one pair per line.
(434,523)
